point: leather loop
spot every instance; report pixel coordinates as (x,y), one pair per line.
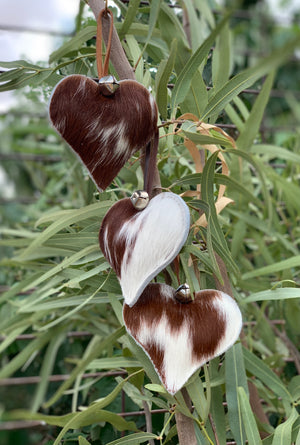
(103,67)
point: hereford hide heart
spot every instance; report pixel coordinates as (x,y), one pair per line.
(139,244)
(104,131)
(179,338)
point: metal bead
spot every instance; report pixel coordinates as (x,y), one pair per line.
(183,294)
(108,85)
(140,199)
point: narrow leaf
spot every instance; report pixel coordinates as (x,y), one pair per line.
(246,78)
(282,293)
(84,362)
(134,439)
(131,13)
(252,125)
(235,376)
(260,370)
(74,43)
(251,429)
(185,77)
(162,78)
(283,433)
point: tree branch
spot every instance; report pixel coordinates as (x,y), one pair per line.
(117,54)
(185,425)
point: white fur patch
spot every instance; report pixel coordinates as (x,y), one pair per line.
(153,238)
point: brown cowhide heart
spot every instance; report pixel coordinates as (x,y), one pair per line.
(179,338)
(104,131)
(139,244)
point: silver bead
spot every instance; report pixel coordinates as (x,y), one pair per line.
(183,293)
(108,85)
(140,199)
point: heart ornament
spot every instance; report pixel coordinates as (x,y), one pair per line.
(139,244)
(102,130)
(100,119)
(179,338)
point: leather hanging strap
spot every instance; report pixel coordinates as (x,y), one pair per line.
(103,67)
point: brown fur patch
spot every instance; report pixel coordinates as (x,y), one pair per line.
(113,247)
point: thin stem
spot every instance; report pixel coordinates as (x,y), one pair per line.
(205,432)
(165,426)
(213,427)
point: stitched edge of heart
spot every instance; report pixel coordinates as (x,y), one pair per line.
(153,328)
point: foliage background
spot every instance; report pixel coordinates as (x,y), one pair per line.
(55,280)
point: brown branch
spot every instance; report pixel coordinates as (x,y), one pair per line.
(185,425)
(148,418)
(117,54)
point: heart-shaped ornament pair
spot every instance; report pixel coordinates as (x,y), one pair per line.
(104,131)
(179,338)
(139,244)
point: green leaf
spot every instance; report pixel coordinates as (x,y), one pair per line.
(261,173)
(260,370)
(207,189)
(113,363)
(131,13)
(221,60)
(97,210)
(235,376)
(253,123)
(135,55)
(282,293)
(162,78)
(81,366)
(202,139)
(289,263)
(26,78)
(20,64)
(134,439)
(196,393)
(83,441)
(18,361)
(10,74)
(273,151)
(47,368)
(246,78)
(283,433)
(156,388)
(75,43)
(251,429)
(154,12)
(185,77)
(63,265)
(294,387)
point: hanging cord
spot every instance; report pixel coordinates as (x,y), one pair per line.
(103,68)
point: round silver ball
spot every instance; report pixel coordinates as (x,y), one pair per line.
(140,199)
(108,85)
(183,293)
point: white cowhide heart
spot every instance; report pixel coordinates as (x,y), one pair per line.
(104,131)
(179,338)
(139,244)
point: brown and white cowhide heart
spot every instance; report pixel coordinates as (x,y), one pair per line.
(139,244)
(104,131)
(179,338)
